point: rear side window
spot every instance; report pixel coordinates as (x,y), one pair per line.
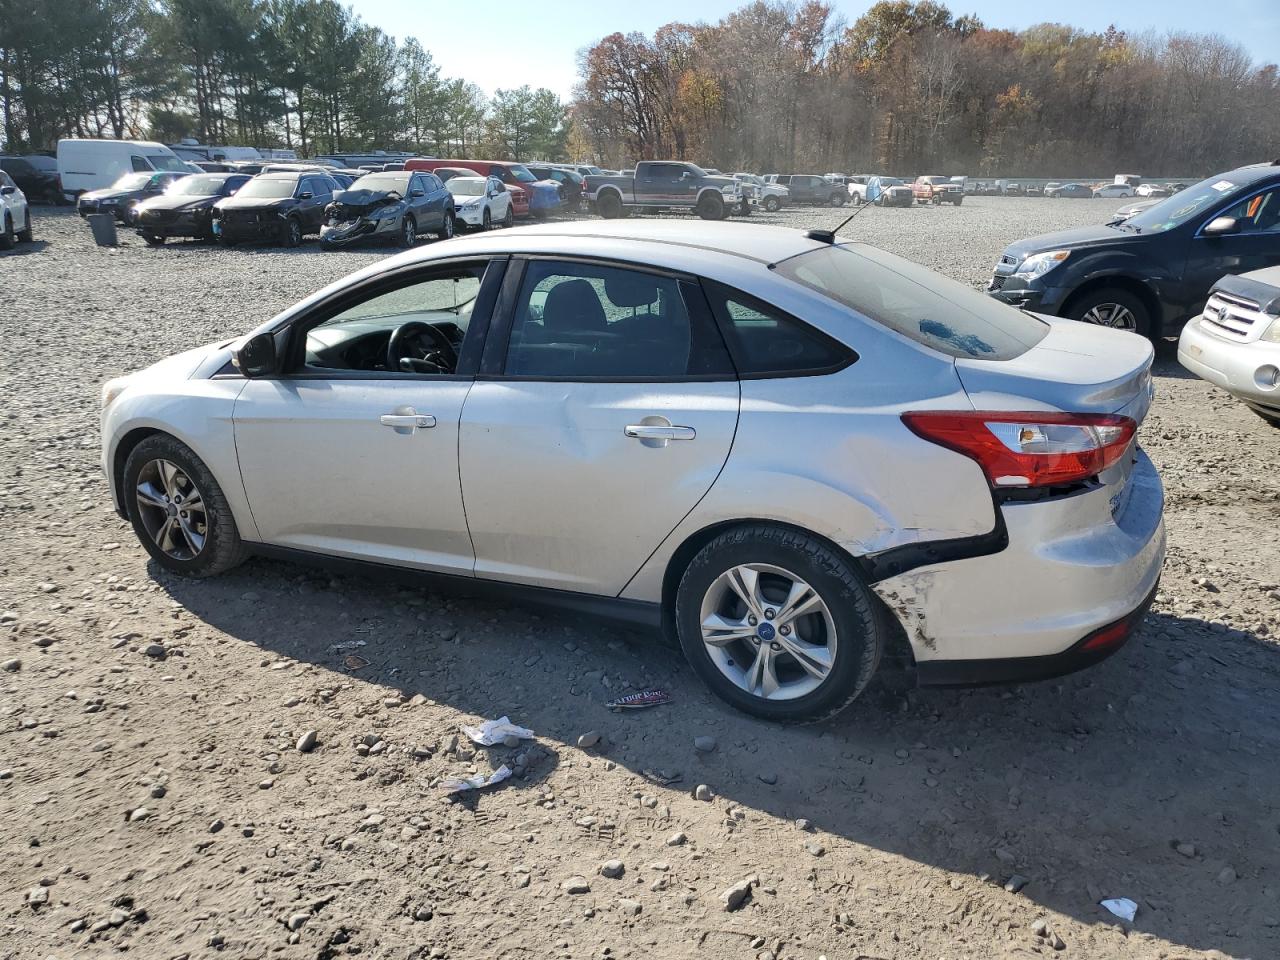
(765,342)
(925,306)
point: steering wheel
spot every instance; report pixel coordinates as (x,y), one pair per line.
(444,356)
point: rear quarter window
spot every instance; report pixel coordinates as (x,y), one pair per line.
(924,306)
(766,342)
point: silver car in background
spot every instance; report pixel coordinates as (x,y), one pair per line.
(792,452)
(1235,342)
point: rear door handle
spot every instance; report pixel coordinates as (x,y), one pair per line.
(648,431)
(407,420)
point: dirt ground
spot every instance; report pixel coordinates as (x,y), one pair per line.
(154,800)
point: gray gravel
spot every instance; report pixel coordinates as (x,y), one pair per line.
(1152,776)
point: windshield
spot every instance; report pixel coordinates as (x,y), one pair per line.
(937,180)
(927,307)
(268,188)
(890,182)
(383,181)
(1182,206)
(467,186)
(163,161)
(521,173)
(197,186)
(132,181)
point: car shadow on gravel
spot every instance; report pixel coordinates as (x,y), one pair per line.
(25,249)
(1073,790)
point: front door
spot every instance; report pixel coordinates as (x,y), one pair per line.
(602,423)
(353,451)
(1255,244)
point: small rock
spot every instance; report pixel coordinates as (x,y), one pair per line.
(423,913)
(815,849)
(1186,849)
(769,778)
(704,744)
(629,908)
(1227,875)
(1040,927)
(296,920)
(216,826)
(307,742)
(266,784)
(734,897)
(12,665)
(677,839)
(576,885)
(589,739)
(155,651)
(8,616)
(803,824)
(511,740)
(1057,942)
(139,814)
(703,792)
(612,869)
(43,641)
(1016,883)
(37,896)
(158,791)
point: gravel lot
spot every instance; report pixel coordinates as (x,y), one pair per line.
(153,798)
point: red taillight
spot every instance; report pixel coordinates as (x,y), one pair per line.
(1109,636)
(1032,449)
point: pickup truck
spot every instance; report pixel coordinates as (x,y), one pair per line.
(937,190)
(662,185)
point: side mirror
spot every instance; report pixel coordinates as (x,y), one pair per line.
(1220,226)
(8,191)
(305,195)
(255,357)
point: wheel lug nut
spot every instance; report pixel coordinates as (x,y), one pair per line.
(785,631)
(769,614)
(752,620)
(775,647)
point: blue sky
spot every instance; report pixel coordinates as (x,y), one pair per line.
(537,43)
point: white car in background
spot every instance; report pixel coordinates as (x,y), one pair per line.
(1115,190)
(15,214)
(481,202)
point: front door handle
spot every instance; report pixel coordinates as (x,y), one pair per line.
(654,431)
(407,420)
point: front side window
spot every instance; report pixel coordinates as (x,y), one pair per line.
(139,164)
(165,161)
(1258,214)
(415,328)
(591,321)
(924,306)
(765,342)
(1200,198)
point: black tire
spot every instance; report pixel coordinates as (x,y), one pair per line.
(771,204)
(152,239)
(1101,299)
(28,233)
(744,208)
(609,205)
(408,234)
(7,235)
(486,221)
(222,548)
(292,232)
(227,241)
(839,199)
(860,622)
(711,206)
(958,201)
(447,227)
(510,219)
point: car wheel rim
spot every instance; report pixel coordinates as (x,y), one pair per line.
(1114,315)
(768,631)
(408,233)
(295,232)
(172,510)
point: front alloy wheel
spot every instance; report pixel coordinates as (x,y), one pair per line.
(171,509)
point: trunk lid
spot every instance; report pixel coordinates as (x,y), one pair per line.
(1076,368)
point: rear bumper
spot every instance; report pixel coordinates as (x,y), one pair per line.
(1244,370)
(1073,566)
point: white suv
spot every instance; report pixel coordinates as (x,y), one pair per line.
(13,211)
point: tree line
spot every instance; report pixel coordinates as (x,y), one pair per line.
(911,88)
(303,74)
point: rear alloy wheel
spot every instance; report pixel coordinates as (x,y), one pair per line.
(771,204)
(293,232)
(510,219)
(711,206)
(178,511)
(610,205)
(408,232)
(1112,307)
(447,227)
(838,199)
(778,624)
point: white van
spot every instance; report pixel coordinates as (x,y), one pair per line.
(94,164)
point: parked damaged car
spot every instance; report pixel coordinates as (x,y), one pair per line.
(280,207)
(393,205)
(121,197)
(186,208)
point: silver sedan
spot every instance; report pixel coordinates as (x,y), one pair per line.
(794,453)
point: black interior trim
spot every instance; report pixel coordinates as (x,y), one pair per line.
(637,612)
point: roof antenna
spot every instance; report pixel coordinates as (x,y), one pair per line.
(829,236)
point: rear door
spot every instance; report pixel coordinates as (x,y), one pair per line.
(605,409)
